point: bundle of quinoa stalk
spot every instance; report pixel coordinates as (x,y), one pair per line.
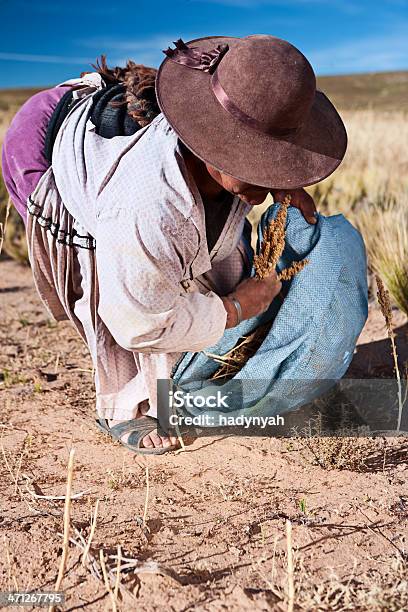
(265,264)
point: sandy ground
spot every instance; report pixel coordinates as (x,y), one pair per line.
(213,535)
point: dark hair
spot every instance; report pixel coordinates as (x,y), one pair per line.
(139,82)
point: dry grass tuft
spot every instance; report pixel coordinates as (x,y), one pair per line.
(385,231)
(374,170)
(365,592)
(345,451)
(349,448)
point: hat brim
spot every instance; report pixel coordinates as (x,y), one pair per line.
(311,154)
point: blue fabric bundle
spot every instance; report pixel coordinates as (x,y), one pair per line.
(311,341)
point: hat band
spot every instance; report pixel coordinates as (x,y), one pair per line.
(239,114)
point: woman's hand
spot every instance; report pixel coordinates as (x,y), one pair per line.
(254,296)
(299,199)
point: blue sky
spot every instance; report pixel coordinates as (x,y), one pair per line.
(46,41)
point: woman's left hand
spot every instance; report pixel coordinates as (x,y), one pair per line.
(299,199)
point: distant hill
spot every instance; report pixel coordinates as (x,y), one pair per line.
(378,90)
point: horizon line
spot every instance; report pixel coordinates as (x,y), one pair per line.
(331,75)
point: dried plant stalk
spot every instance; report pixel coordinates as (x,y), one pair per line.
(3,225)
(118,565)
(67,516)
(106,580)
(146,505)
(291,573)
(273,245)
(91,534)
(273,242)
(384,301)
(232,362)
(265,263)
(295,268)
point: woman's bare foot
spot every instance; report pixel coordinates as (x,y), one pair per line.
(153,440)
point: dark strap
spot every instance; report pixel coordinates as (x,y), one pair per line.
(61,111)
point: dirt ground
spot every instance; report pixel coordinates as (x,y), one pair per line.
(211,535)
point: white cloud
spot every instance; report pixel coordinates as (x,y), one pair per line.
(152,43)
(148,51)
(45,59)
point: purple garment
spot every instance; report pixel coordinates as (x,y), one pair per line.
(23,161)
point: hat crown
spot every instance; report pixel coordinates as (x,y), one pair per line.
(270,80)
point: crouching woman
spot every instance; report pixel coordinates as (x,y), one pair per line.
(136,218)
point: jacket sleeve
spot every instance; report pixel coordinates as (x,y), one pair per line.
(140,263)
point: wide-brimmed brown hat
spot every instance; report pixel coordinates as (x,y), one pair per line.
(250,108)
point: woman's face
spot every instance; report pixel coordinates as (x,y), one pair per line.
(251,194)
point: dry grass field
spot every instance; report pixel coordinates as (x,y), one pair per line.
(229,523)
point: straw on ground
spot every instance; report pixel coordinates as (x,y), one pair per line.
(67,515)
(384,301)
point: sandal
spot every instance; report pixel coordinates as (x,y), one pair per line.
(138,428)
